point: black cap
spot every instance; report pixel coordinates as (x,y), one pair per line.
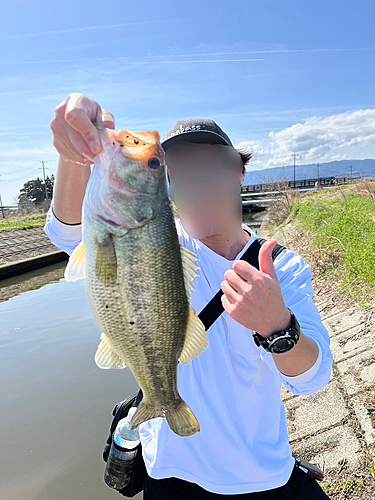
(199,130)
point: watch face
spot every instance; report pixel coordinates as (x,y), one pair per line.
(281,345)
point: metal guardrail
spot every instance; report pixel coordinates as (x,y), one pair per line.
(300,184)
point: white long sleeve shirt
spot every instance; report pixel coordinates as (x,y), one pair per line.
(233,387)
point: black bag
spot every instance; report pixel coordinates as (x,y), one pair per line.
(209,314)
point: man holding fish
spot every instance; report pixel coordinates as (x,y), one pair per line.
(212,425)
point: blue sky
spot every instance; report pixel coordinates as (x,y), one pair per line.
(278,77)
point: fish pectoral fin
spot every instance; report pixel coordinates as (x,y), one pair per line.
(190,267)
(106,262)
(75,270)
(106,357)
(196,340)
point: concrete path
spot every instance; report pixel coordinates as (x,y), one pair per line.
(335,427)
(19,244)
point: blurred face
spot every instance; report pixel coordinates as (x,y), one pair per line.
(205,185)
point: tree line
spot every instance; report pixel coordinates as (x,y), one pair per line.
(36,191)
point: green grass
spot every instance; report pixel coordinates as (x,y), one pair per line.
(346,227)
(24,222)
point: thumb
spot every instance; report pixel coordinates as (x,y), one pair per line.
(265,258)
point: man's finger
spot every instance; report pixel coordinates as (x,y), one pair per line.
(245,270)
(266,264)
(79,144)
(230,292)
(228,306)
(64,146)
(108,119)
(78,119)
(68,154)
(234,280)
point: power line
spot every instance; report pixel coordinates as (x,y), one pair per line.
(22,176)
(24,169)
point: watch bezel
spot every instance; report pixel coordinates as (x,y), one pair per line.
(292,334)
(273,344)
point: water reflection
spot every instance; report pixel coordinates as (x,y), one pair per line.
(254,220)
(56,403)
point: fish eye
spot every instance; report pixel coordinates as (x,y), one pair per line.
(154,163)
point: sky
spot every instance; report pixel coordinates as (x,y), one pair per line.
(278,77)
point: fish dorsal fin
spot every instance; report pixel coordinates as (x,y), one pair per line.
(106,357)
(75,270)
(196,340)
(189,264)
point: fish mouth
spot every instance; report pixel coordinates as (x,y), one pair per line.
(139,146)
(108,221)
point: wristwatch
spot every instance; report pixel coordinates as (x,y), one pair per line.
(282,341)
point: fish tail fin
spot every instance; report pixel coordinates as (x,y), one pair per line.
(144,412)
(180,418)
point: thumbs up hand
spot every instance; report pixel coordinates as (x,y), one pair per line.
(253,297)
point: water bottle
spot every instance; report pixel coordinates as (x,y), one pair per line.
(122,454)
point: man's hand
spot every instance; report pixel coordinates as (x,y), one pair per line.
(74,135)
(253,298)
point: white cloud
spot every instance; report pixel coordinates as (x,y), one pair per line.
(72,30)
(324,138)
(259,151)
(256,146)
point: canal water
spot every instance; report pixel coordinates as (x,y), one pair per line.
(56,404)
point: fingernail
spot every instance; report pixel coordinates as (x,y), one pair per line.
(94,146)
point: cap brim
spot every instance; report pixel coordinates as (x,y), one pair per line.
(196,136)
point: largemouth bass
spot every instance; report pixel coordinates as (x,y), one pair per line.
(138,278)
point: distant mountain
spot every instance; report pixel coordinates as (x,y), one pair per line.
(334,168)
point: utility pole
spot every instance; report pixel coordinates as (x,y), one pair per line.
(44,177)
(318,165)
(294,157)
(2,208)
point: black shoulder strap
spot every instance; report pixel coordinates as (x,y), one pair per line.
(138,399)
(211,312)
